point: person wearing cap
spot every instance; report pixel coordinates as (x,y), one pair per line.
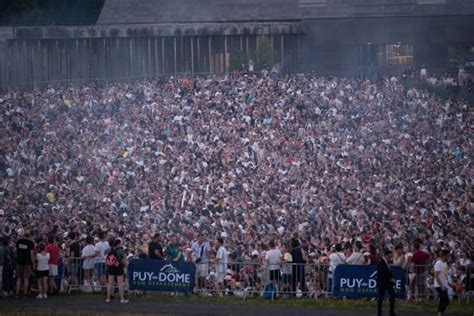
(385,283)
(222,259)
(201,249)
(25,259)
(88,257)
(441,281)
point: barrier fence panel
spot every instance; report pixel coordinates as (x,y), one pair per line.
(160,275)
(253,279)
(361,281)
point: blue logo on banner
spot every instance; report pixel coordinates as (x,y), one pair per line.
(159,275)
(361,281)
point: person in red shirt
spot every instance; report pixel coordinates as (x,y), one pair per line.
(420,260)
(53,251)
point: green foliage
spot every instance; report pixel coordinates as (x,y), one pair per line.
(263,55)
(238,59)
(459,54)
(434,90)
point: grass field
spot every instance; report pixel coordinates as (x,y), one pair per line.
(454,308)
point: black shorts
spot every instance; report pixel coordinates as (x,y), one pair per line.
(115,271)
(41,274)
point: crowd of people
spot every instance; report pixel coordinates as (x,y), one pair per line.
(309,166)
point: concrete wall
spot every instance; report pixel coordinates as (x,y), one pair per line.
(26,61)
(317,35)
(176,11)
(330,46)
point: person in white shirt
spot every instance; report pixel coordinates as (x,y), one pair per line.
(441,281)
(463,261)
(88,263)
(101,249)
(356,257)
(201,249)
(336,258)
(42,271)
(423,73)
(273,259)
(222,259)
(461,76)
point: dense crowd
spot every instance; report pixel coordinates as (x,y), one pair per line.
(243,157)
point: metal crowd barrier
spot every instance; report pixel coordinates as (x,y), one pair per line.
(251,279)
(247,279)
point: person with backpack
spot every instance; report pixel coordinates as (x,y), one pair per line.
(115,264)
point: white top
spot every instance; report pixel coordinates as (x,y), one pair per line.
(336,259)
(355,258)
(88,250)
(42,261)
(273,258)
(102,247)
(222,260)
(201,251)
(442,268)
(287,267)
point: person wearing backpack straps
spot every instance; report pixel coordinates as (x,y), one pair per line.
(115,263)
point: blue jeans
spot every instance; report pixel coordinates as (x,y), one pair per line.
(100,269)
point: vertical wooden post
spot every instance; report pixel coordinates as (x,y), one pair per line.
(40,58)
(149,57)
(163,54)
(282,52)
(131,57)
(225,54)
(199,54)
(298,54)
(211,64)
(192,54)
(157,65)
(57,75)
(175,57)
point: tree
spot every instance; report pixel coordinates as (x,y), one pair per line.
(263,55)
(238,59)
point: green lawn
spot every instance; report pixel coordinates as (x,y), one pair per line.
(322,304)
